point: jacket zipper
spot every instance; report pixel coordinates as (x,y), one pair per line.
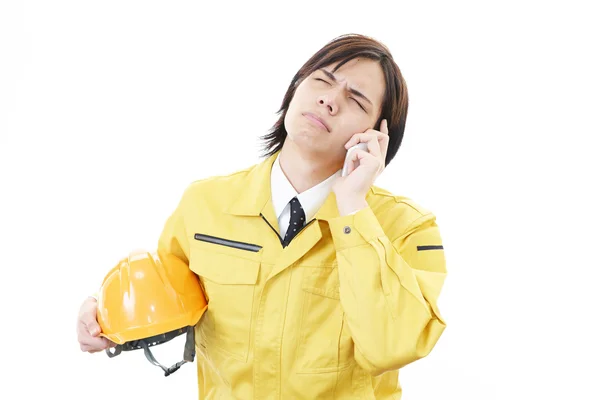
(274,230)
(277,233)
(227,242)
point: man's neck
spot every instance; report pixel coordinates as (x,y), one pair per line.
(304,171)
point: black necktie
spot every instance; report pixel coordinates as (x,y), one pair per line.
(297,220)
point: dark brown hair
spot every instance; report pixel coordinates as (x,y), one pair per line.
(341,50)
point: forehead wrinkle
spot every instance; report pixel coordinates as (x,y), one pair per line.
(352,89)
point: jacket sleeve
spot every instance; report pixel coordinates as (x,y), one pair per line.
(173,238)
(389,288)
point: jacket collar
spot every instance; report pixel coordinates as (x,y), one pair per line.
(254,195)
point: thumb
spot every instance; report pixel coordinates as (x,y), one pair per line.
(92,325)
(94,329)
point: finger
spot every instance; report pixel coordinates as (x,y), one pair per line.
(375,141)
(356,158)
(85,336)
(84,347)
(97,343)
(370,133)
(352,161)
(384,127)
(88,349)
(91,350)
(87,316)
(362,138)
(384,147)
(90,323)
(383,140)
(374,147)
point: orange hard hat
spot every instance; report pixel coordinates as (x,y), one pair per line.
(148,299)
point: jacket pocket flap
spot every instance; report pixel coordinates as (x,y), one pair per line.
(223,268)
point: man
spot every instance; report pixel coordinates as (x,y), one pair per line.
(319,286)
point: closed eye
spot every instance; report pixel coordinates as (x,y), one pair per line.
(357,102)
(322,80)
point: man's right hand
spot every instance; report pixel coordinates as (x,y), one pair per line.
(88,329)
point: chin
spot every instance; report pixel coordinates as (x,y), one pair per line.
(307,141)
(309,136)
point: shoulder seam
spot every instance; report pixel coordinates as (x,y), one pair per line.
(398,199)
(222,176)
(414,223)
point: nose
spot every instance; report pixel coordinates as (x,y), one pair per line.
(328,100)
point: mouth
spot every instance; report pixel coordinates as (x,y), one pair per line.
(316,120)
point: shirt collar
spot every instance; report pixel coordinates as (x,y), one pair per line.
(312,199)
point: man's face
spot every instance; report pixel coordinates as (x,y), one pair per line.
(346,102)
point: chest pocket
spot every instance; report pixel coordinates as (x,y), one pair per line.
(324,343)
(229,283)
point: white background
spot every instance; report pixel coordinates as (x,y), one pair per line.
(108,110)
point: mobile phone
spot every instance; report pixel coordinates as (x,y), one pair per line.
(362,146)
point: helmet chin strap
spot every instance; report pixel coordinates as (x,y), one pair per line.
(189,352)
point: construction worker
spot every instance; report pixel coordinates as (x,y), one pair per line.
(319,286)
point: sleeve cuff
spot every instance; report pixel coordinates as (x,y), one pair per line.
(356,229)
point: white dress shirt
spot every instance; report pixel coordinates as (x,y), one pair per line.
(282,192)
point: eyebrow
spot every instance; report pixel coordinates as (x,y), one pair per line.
(353,91)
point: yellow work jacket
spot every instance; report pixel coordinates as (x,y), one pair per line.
(334,315)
